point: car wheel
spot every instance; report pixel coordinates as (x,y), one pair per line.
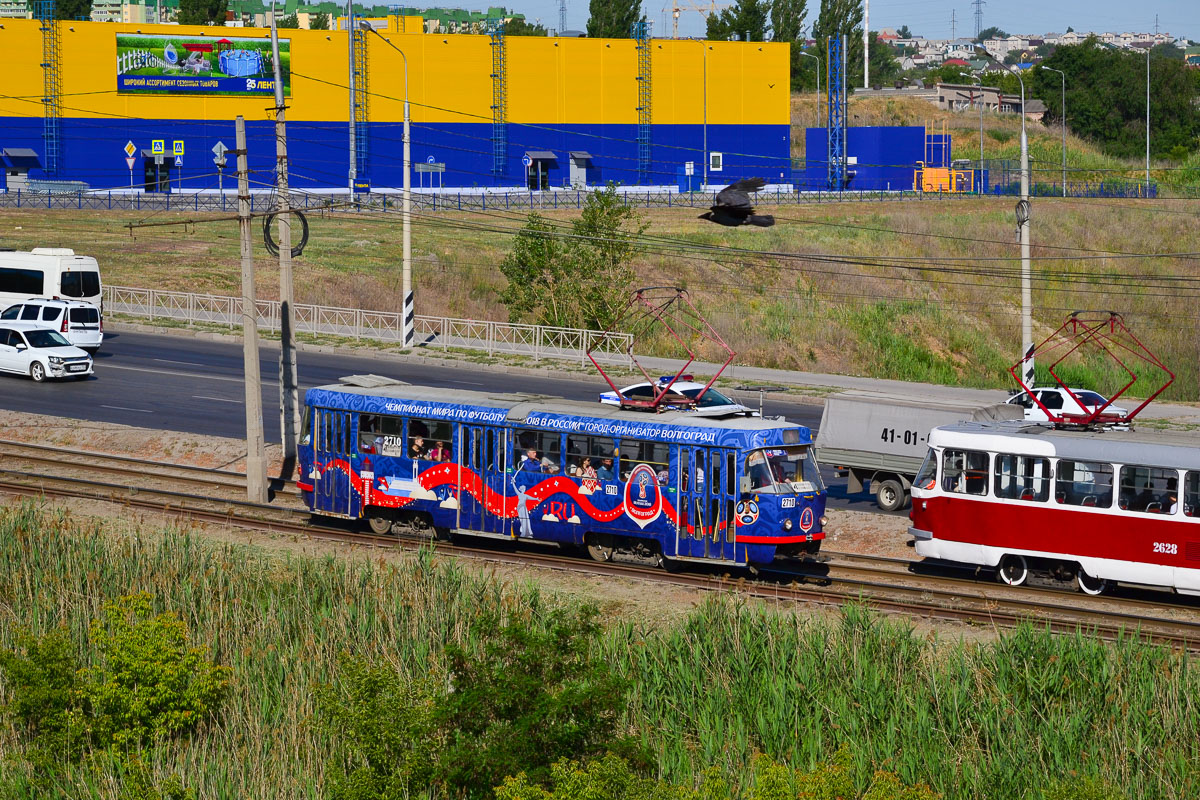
(37,371)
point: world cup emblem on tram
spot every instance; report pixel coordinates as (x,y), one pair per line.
(643,502)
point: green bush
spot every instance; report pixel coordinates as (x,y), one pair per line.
(42,682)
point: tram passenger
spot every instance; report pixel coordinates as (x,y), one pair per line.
(530,462)
(417,448)
(760,472)
(605,472)
(439,452)
(368,439)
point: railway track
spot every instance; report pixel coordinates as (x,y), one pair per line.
(875,581)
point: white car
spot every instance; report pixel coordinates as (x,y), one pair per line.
(711,404)
(1059,401)
(39,352)
(79,321)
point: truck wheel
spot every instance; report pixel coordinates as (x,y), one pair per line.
(890,496)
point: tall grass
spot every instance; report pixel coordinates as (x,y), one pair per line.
(1002,718)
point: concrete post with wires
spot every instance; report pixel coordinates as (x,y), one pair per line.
(406,201)
(289,392)
(256,459)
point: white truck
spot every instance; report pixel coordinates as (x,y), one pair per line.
(878,440)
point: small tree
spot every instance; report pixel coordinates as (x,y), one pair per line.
(203,12)
(904,32)
(579,278)
(519,26)
(747,19)
(73,9)
(290,21)
(319,21)
(990,33)
(612,19)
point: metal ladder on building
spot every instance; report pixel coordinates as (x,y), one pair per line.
(835,59)
(51,85)
(495,32)
(640,32)
(362,97)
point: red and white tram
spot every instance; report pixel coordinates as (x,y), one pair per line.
(1096,506)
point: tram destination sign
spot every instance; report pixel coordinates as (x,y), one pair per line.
(199,65)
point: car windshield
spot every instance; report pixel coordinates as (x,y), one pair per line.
(46,339)
(711,398)
(784,469)
(1090,398)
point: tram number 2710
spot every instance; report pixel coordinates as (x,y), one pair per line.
(908,437)
(1167,548)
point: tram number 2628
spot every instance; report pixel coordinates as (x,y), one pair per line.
(1167,548)
(891,435)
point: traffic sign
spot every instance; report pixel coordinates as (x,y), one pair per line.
(158,147)
(177,147)
(527,161)
(430,160)
(219,150)
(130,149)
(179,161)
(129,163)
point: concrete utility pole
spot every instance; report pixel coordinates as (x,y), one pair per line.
(1063,75)
(406,200)
(866,43)
(256,459)
(289,392)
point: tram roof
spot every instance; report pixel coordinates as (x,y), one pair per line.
(536,410)
(1139,447)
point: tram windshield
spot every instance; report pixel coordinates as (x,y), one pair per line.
(787,469)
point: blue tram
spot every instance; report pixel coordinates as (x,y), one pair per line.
(668,487)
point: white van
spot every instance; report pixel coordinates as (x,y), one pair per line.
(48,272)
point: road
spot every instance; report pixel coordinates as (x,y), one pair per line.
(179,383)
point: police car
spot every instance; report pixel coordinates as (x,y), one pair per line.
(711,404)
(1059,400)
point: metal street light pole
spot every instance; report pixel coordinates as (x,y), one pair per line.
(353,175)
(818,60)
(1063,75)
(406,198)
(1147,122)
(704,48)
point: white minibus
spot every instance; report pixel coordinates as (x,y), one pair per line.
(54,272)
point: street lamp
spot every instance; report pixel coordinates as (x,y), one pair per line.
(1063,75)
(1023,213)
(818,60)
(406,201)
(979,81)
(1147,122)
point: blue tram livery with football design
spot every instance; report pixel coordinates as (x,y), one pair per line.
(668,487)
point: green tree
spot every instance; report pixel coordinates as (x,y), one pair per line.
(202,12)
(612,19)
(42,682)
(904,32)
(73,9)
(290,21)
(884,66)
(747,19)
(1106,98)
(787,23)
(990,33)
(842,18)
(519,26)
(578,278)
(319,21)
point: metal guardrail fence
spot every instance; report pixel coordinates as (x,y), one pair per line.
(536,341)
(491,201)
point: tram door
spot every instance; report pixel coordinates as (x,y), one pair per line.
(331,451)
(697,520)
(482,478)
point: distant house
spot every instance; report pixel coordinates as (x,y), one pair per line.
(1191,57)
(963,96)
(956,62)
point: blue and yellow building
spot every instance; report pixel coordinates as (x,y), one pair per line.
(142,83)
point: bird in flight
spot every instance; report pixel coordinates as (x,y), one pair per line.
(733,206)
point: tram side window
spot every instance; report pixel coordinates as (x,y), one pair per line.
(306,426)
(1191,494)
(595,448)
(430,439)
(1084,483)
(964,472)
(927,475)
(657,455)
(1150,490)
(547,447)
(1022,478)
(380,434)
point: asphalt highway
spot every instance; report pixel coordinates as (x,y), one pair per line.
(179,383)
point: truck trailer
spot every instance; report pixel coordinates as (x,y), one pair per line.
(878,440)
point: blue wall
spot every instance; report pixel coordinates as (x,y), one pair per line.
(93,151)
(886,156)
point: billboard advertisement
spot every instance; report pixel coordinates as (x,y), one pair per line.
(199,65)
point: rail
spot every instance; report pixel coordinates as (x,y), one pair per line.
(508,338)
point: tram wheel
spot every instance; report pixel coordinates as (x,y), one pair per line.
(380,526)
(600,548)
(1089,585)
(1012,570)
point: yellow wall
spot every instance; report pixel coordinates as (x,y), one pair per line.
(550,80)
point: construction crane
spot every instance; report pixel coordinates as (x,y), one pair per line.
(676,6)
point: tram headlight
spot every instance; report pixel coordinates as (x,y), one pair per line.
(787,524)
(824,521)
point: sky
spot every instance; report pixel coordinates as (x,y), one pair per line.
(931,18)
